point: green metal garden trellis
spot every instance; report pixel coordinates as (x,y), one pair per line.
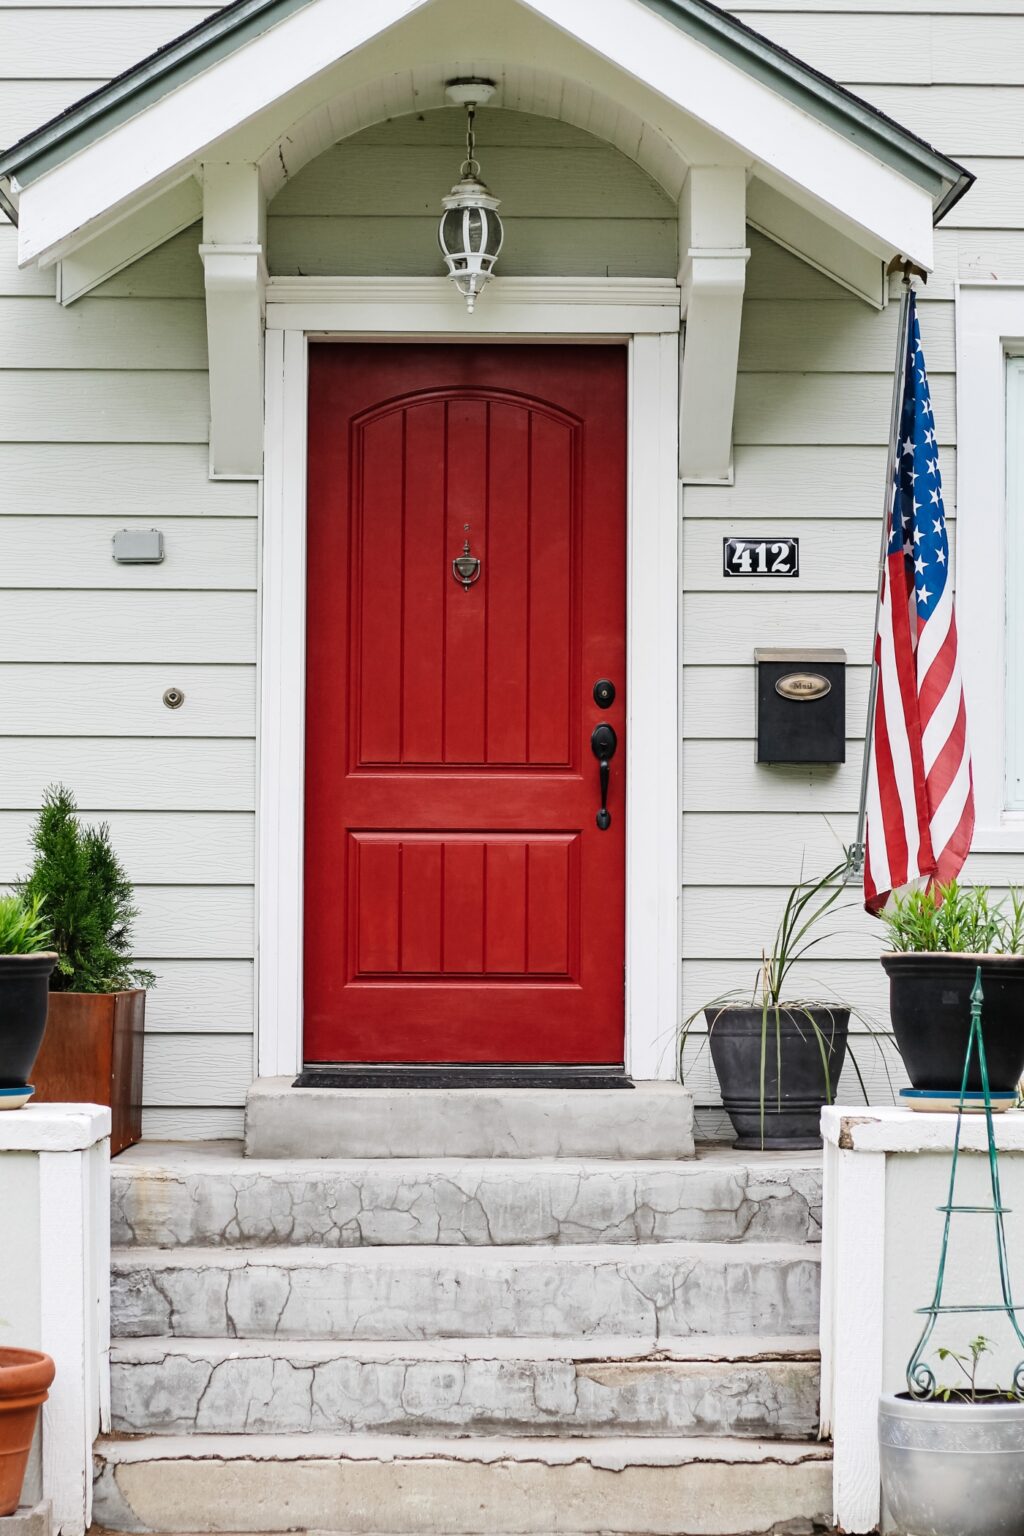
(920,1376)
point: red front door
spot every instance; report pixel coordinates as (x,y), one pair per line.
(461,903)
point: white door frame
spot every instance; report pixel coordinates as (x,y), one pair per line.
(645,313)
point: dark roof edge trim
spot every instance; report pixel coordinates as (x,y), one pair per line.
(823,98)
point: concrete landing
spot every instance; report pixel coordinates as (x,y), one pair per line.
(653,1120)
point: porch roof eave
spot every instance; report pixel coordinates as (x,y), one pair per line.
(117,108)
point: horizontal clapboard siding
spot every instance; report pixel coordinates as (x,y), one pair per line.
(200,996)
(165,334)
(65,699)
(156,847)
(69,43)
(154,481)
(86,405)
(107,626)
(129,773)
(69,552)
(193,1124)
(941,49)
(194,922)
(195,1070)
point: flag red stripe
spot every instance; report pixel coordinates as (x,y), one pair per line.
(944,769)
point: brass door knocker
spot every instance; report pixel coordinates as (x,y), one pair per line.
(466,567)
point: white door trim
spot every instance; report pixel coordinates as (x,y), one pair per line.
(644,313)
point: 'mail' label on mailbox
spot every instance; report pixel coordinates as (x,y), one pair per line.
(760,557)
(803,685)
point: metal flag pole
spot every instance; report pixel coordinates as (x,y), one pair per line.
(856,861)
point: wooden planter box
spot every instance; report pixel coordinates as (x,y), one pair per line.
(92,1054)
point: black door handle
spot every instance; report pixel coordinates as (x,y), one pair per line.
(603,742)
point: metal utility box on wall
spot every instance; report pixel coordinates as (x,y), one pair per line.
(801,705)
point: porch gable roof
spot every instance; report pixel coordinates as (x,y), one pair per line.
(242,21)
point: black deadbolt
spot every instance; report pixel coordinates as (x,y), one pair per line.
(604,693)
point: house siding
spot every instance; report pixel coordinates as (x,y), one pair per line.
(103,424)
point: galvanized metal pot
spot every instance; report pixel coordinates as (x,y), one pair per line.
(951,1469)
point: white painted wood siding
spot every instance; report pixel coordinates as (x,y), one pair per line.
(103,425)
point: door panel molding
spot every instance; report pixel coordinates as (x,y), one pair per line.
(653,614)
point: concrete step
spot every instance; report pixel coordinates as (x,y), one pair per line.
(651,1120)
(401,1485)
(208,1195)
(760,1387)
(668,1290)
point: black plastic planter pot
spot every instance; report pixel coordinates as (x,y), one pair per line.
(792,1119)
(930,1008)
(24,996)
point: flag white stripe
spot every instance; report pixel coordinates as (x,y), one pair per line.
(946,818)
(939,728)
(934,633)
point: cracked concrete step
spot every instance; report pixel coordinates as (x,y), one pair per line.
(650,1120)
(368,1485)
(664,1290)
(760,1387)
(175,1195)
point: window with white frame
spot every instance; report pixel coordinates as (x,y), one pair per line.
(990,551)
(1014,744)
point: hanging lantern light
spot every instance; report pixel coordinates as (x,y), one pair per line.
(470,232)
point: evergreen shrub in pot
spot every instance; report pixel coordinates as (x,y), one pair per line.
(26,962)
(939,938)
(779,1057)
(93,1048)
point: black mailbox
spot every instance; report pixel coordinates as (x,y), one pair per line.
(801,706)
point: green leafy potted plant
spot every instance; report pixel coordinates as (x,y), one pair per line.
(26,962)
(939,937)
(25,1377)
(779,1059)
(93,1048)
(953,1464)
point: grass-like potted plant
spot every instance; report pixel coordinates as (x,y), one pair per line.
(25,1377)
(778,1057)
(27,959)
(939,938)
(93,1048)
(953,1464)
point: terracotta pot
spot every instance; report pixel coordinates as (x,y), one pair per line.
(92,1054)
(25,1376)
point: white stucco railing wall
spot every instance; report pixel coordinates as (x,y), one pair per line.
(55,1286)
(886,1171)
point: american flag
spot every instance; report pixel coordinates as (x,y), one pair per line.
(920,796)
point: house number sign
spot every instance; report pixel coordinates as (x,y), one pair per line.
(760,557)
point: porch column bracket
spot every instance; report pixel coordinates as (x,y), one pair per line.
(234,266)
(712,277)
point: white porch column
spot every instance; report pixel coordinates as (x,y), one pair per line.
(712,273)
(233,253)
(55,1286)
(886,1174)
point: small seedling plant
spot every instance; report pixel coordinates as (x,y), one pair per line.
(23,927)
(967,1364)
(957,919)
